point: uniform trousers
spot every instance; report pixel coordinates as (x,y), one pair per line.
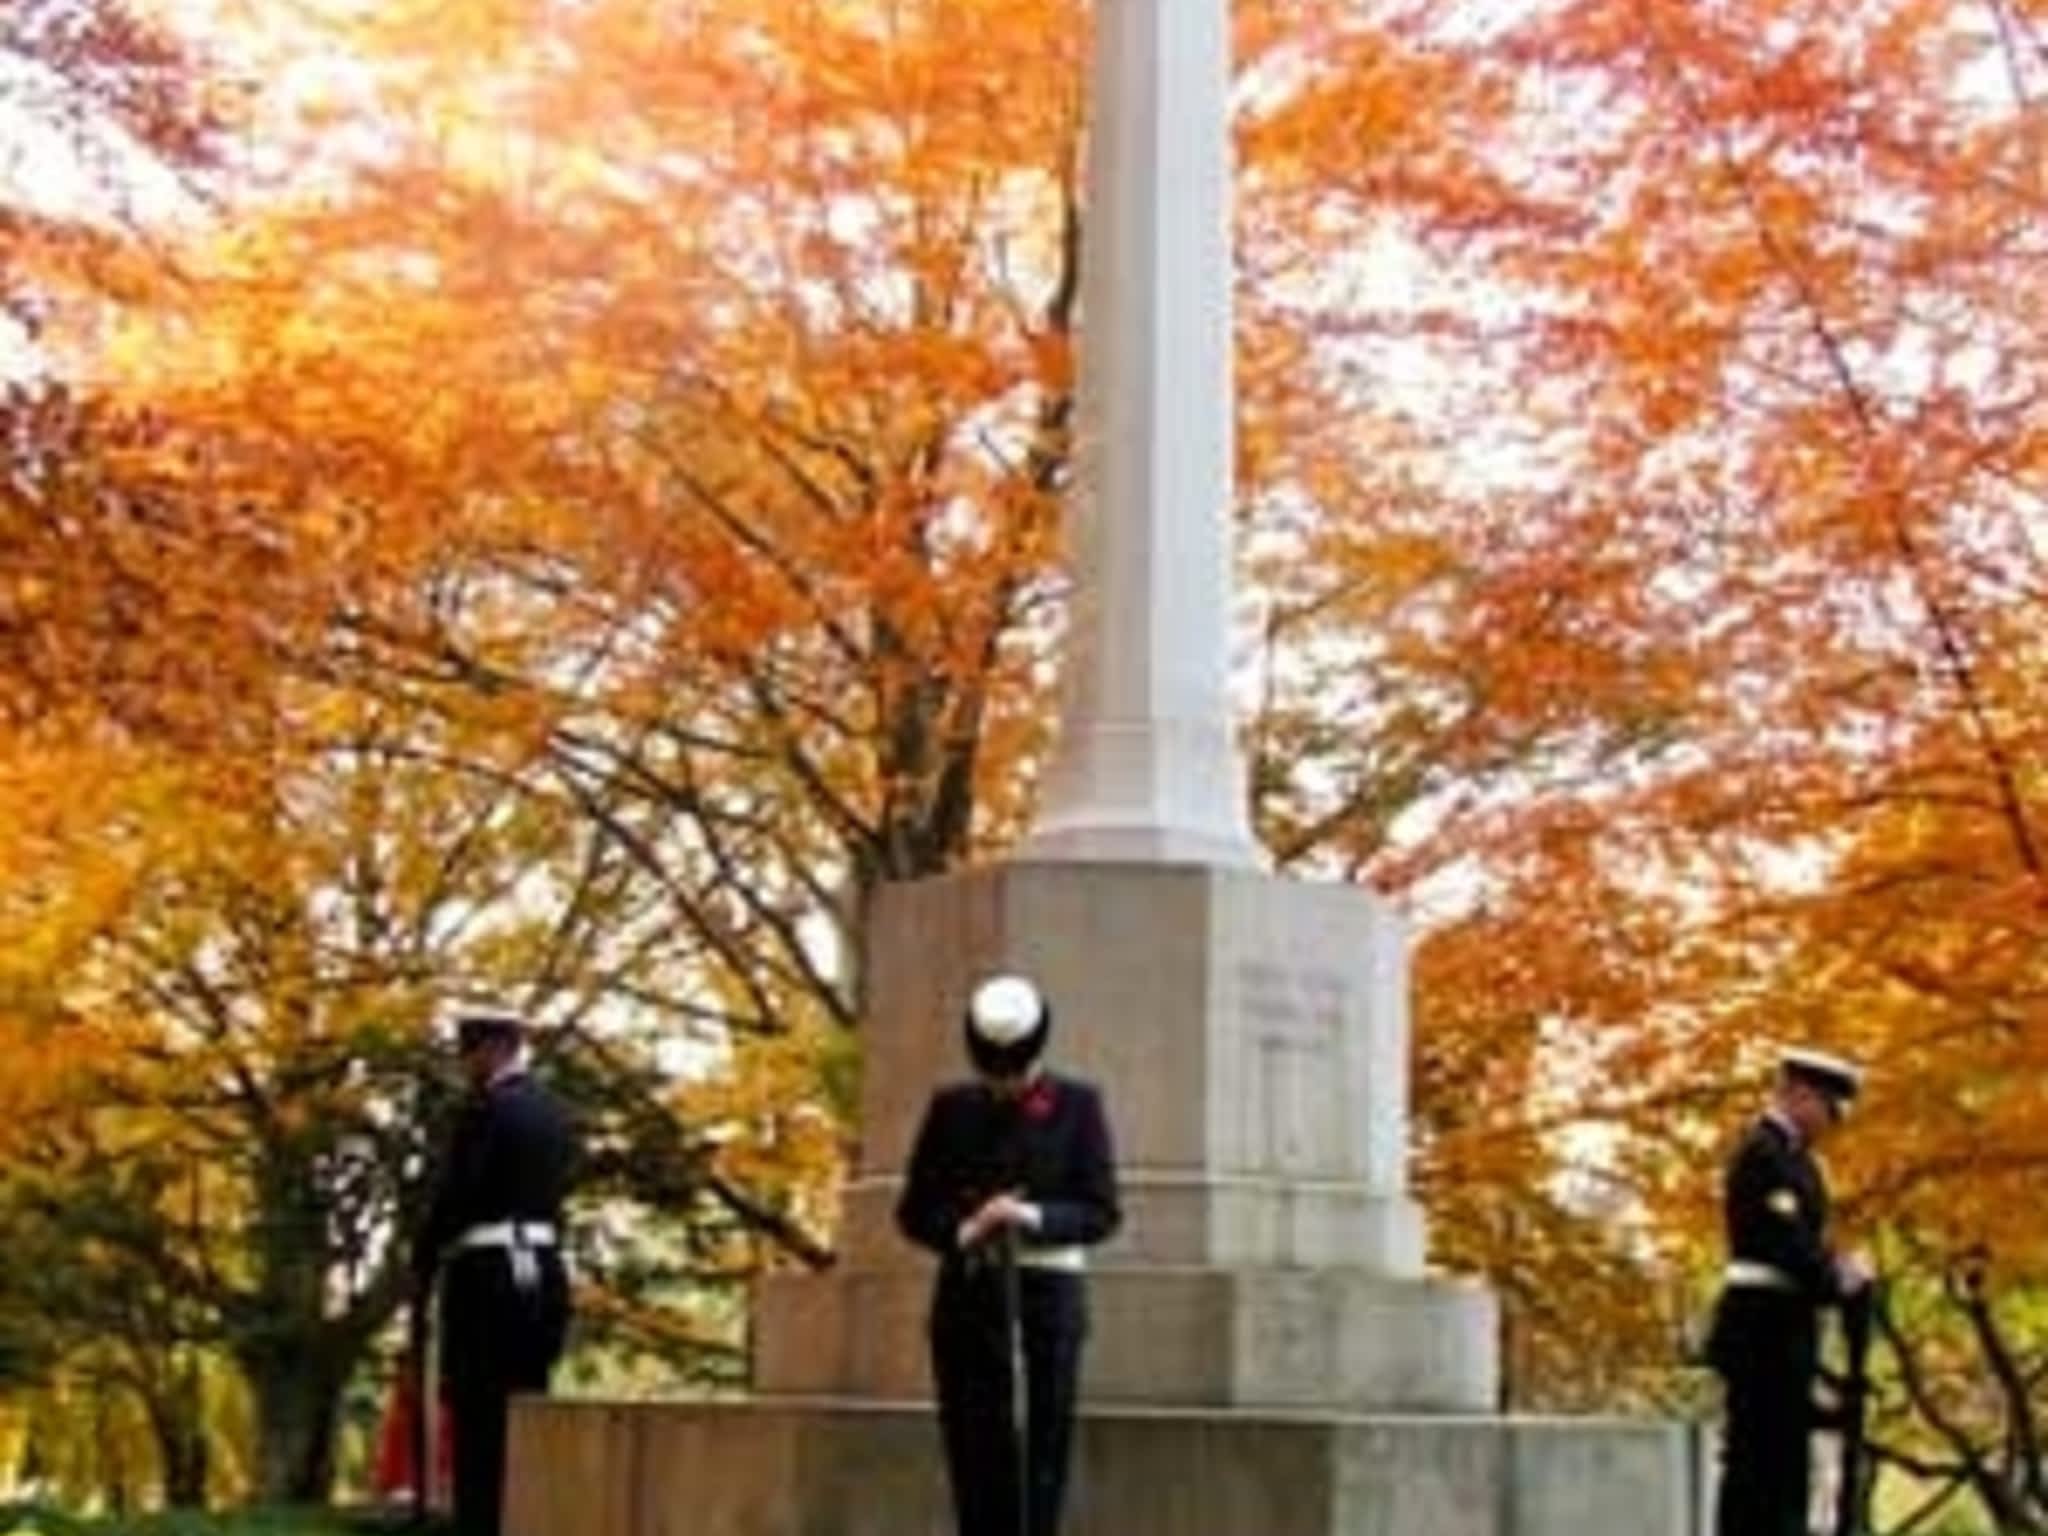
(971,1366)
(1766,1348)
(497,1339)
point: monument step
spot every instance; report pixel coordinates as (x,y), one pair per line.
(820,1468)
(1340,1339)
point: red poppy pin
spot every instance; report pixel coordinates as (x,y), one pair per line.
(1039,1100)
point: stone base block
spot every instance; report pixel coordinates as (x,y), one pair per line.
(1250,1036)
(1341,1340)
(838,1469)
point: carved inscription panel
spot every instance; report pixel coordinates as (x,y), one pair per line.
(1294,1069)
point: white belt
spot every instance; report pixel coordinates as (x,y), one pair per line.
(509,1234)
(518,1239)
(1072,1259)
(1749,1274)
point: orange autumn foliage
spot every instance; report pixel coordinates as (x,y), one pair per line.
(1683,663)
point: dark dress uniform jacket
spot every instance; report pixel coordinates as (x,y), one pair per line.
(1765,1341)
(510,1158)
(1050,1146)
(1777,1210)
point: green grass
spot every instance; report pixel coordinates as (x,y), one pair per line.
(43,1522)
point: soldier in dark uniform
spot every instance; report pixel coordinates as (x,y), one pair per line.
(1014,1168)
(493,1233)
(1781,1274)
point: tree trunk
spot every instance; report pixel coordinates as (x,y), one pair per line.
(181,1446)
(177,1415)
(295,1359)
(298,1406)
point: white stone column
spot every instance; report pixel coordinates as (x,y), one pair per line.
(1147,767)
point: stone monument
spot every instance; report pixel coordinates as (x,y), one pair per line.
(1270,1354)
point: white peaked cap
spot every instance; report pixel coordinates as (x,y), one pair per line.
(1835,1073)
(1005,1010)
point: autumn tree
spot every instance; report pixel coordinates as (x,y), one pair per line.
(239,1174)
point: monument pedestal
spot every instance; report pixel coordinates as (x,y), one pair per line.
(1251,1037)
(1268,1355)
